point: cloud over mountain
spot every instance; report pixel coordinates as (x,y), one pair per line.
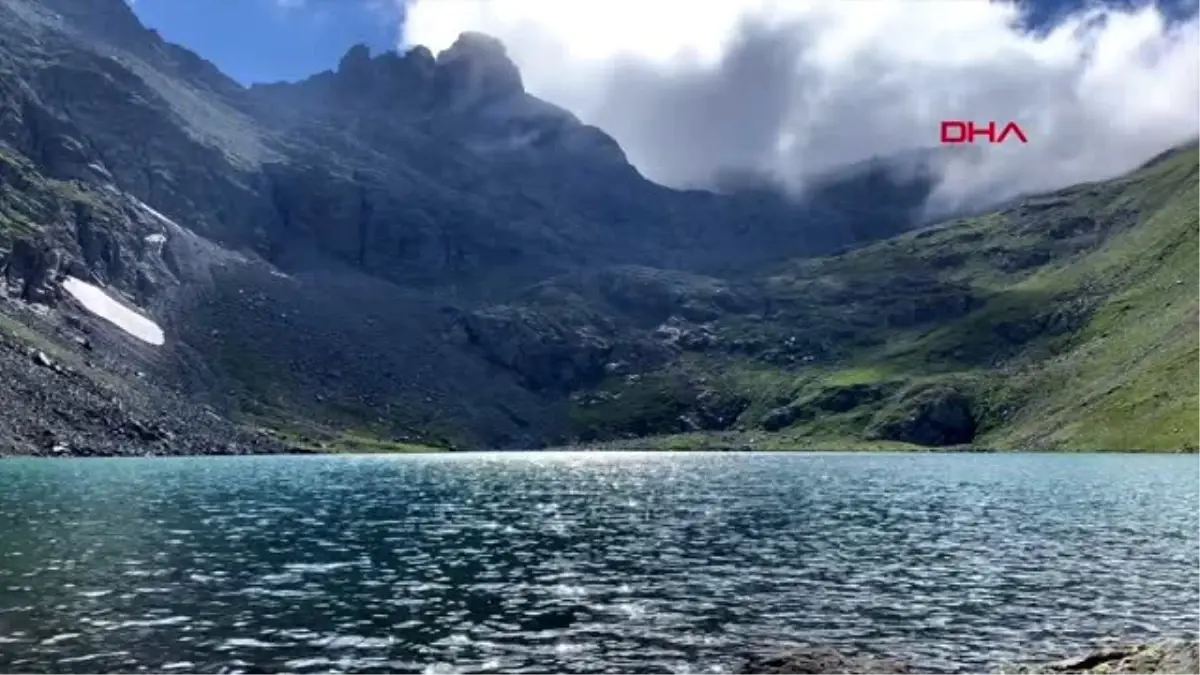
(796,88)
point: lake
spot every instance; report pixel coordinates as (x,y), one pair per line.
(577,562)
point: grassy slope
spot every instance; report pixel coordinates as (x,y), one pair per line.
(1080,331)
(1125,376)
(1129,378)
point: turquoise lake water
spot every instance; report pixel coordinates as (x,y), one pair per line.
(632,562)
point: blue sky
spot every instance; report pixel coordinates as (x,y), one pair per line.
(271,40)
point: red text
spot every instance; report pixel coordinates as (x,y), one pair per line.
(955,131)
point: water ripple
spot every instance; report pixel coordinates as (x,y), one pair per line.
(586,563)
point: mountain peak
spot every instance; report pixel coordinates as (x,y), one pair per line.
(357,56)
(476,44)
(112,20)
(476,68)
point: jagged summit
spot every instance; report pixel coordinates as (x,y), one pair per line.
(476,69)
(469,96)
(358,56)
(474,43)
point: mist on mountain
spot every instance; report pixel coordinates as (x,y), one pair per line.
(794,90)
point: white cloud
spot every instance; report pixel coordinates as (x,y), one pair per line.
(795,87)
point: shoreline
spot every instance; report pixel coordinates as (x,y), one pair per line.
(621,448)
(266,442)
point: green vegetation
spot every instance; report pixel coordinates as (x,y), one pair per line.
(1067,322)
(747,441)
(353,443)
(320,439)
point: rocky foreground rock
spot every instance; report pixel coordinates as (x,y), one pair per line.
(1166,656)
(1174,656)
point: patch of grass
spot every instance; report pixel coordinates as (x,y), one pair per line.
(357,443)
(1130,378)
(864,374)
(314,438)
(637,407)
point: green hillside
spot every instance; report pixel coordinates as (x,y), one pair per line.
(1067,322)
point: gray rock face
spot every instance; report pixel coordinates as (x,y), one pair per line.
(933,416)
(1180,655)
(545,353)
(476,69)
(30,272)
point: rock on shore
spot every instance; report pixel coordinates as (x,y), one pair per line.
(1164,656)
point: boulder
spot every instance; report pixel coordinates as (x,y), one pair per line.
(1164,656)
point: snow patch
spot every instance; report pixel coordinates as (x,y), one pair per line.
(96,301)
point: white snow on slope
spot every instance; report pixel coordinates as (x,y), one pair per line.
(96,301)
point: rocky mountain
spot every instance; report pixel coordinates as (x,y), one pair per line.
(411,249)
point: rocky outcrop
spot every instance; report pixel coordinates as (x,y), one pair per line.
(30,272)
(839,399)
(1181,655)
(830,400)
(937,415)
(476,70)
(547,353)
(654,295)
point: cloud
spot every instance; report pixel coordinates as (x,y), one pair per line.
(795,88)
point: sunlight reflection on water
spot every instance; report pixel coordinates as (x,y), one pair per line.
(586,562)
